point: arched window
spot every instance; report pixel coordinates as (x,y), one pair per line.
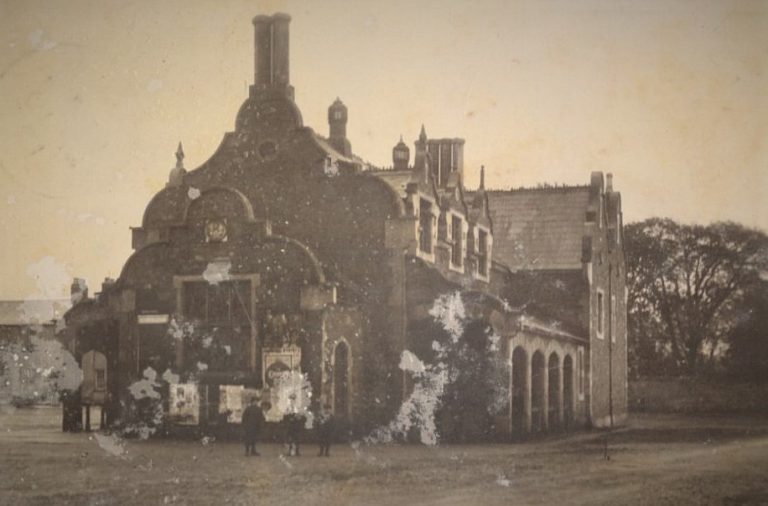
(568,399)
(341,380)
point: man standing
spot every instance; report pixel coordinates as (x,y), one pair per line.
(253,418)
(294,423)
(325,431)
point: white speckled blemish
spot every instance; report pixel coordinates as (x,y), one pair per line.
(37,41)
(170,377)
(430,380)
(146,387)
(112,444)
(217,271)
(154,85)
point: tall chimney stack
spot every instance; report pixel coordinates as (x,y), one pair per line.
(272,53)
(262,27)
(280,49)
(78,290)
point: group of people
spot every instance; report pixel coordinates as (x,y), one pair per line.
(253,422)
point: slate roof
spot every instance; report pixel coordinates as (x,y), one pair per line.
(30,312)
(397,179)
(539,228)
(326,146)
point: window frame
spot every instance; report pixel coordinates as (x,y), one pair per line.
(600,313)
(428,217)
(483,252)
(457,227)
(179,284)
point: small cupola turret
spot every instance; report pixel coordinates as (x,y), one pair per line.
(337,121)
(401,155)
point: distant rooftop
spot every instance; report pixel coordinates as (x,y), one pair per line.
(31,312)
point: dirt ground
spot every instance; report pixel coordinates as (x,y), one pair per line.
(655,460)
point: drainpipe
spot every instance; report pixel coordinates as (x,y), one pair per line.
(610,343)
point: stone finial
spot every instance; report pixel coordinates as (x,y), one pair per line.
(180,157)
(609,182)
(482,177)
(176,177)
(423,134)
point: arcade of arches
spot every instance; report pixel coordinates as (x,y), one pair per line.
(546,384)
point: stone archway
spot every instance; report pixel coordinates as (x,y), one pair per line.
(539,378)
(568,400)
(553,394)
(519,389)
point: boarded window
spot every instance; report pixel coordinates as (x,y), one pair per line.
(222,313)
(223,303)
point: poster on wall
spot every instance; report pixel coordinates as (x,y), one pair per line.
(184,404)
(231,402)
(283,382)
(233,399)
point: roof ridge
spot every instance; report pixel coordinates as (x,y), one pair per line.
(539,189)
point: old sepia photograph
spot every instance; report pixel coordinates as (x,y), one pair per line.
(365,252)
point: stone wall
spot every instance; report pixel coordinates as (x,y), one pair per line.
(686,395)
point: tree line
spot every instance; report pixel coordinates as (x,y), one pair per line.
(697,299)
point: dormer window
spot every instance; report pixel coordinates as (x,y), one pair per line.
(425,226)
(482,252)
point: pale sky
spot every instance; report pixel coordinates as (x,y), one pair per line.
(672,97)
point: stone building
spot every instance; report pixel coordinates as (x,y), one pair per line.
(564,248)
(287,253)
(31,362)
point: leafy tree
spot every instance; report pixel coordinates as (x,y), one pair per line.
(747,356)
(685,286)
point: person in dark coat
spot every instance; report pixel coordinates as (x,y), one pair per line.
(325,428)
(253,419)
(294,423)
